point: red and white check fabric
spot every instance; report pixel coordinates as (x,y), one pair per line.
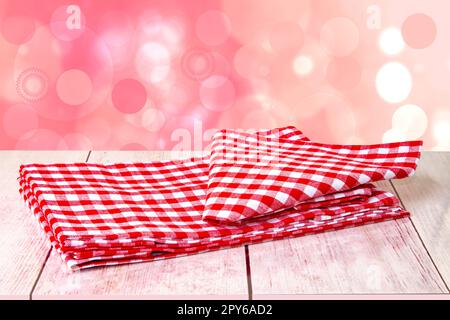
(96,215)
(252,174)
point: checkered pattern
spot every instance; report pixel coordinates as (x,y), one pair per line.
(252,174)
(96,215)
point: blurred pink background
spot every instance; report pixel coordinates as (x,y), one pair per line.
(164,74)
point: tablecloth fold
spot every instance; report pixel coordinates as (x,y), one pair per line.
(252,174)
(98,214)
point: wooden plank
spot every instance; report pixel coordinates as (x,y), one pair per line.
(219,274)
(23,248)
(427,196)
(385,257)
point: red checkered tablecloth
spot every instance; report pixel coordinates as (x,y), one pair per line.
(254,187)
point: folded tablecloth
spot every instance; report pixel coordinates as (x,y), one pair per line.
(252,187)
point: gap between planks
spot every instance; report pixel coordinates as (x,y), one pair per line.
(420,237)
(48,253)
(248,272)
(260,273)
(46,276)
(247,255)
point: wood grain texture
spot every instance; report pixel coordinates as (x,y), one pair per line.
(23,248)
(386,257)
(219,274)
(427,196)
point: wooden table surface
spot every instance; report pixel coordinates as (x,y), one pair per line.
(406,256)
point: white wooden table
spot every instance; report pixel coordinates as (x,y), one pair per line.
(406,256)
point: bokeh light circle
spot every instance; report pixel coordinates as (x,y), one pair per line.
(411,120)
(344,73)
(250,17)
(153,119)
(252,61)
(76,141)
(47,53)
(221,64)
(393,82)
(20,119)
(197,64)
(339,36)
(74,87)
(217,93)
(258,119)
(97,129)
(213,28)
(441,128)
(327,115)
(419,31)
(312,50)
(32,84)
(152,62)
(129,96)
(393,135)
(67,23)
(40,139)
(286,36)
(391,41)
(150,21)
(133,146)
(39,65)
(116,28)
(303,65)
(250,105)
(311,105)
(17,29)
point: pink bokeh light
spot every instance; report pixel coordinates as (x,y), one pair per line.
(139,75)
(129,96)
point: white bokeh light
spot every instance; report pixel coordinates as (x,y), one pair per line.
(393,82)
(303,65)
(411,120)
(339,36)
(217,93)
(153,119)
(74,87)
(441,132)
(393,135)
(441,129)
(152,62)
(391,41)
